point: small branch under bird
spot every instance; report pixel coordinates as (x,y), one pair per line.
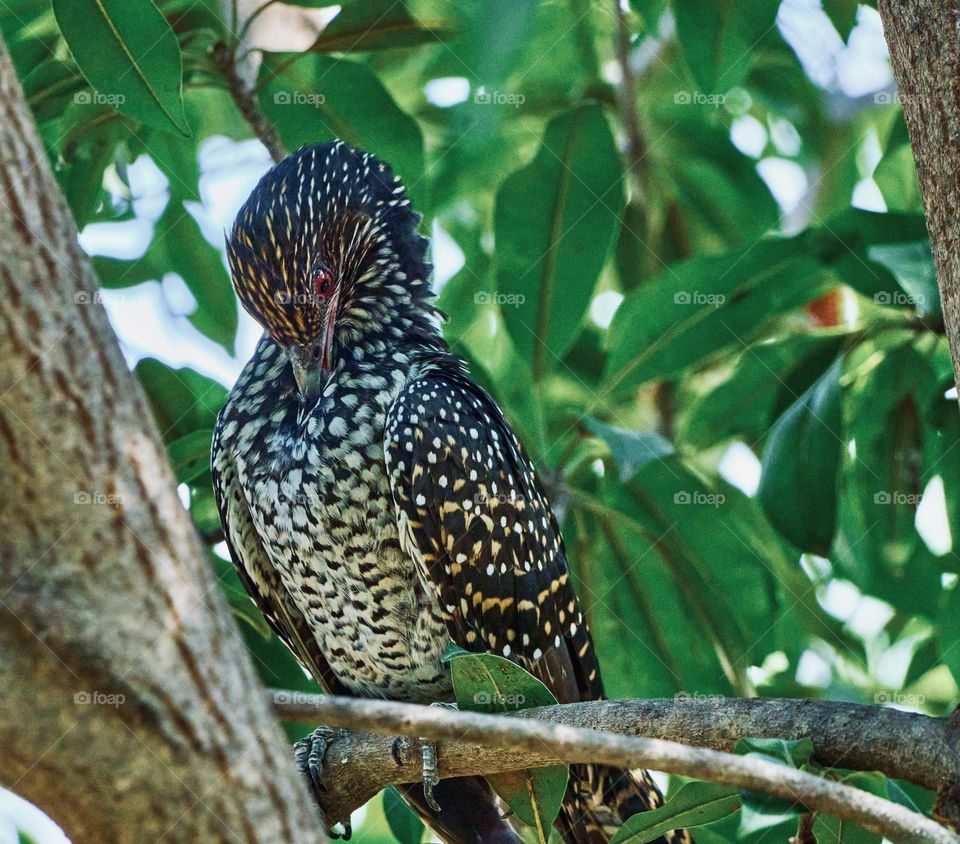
(375,501)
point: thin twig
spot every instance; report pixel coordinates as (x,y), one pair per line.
(225,60)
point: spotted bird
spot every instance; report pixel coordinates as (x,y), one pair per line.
(375,501)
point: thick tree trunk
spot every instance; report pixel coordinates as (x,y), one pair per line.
(924,44)
(130,710)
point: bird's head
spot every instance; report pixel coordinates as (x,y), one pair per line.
(324,252)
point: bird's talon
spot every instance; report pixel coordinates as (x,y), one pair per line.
(309,754)
(431,777)
(395,751)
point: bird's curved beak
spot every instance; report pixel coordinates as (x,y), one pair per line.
(307,372)
(311,370)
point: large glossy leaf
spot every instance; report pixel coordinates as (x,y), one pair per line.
(312,98)
(377,25)
(554,223)
(128,52)
(879,547)
(190,455)
(896,173)
(183,401)
(768,377)
(844,243)
(714,197)
(662,579)
(803,453)
(51,86)
(912,266)
(695,804)
(406,827)
(719,41)
(702,306)
(489,683)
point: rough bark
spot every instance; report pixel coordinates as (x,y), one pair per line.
(922,36)
(131,711)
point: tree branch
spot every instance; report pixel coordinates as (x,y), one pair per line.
(909,746)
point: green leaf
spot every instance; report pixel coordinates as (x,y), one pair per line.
(377,25)
(831,830)
(715,197)
(767,379)
(842,14)
(912,267)
(762,810)
(792,752)
(702,306)
(630,449)
(719,41)
(312,98)
(189,254)
(803,454)
(554,222)
(51,86)
(128,52)
(843,243)
(406,827)
(190,455)
(884,410)
(489,683)
(695,804)
(948,628)
(661,583)
(896,174)
(182,400)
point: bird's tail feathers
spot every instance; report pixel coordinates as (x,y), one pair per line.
(600,798)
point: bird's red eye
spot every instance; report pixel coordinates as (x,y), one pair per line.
(322,282)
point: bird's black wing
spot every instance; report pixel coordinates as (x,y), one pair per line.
(257,574)
(473,515)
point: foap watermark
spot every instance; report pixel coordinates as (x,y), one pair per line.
(98,98)
(109,499)
(911,499)
(699,98)
(493,297)
(498,699)
(484,499)
(98,297)
(891,98)
(710,499)
(900,299)
(895,698)
(95,698)
(692,697)
(698,298)
(300,297)
(310,98)
(500,98)
(293,698)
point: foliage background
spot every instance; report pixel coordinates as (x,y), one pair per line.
(702,293)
